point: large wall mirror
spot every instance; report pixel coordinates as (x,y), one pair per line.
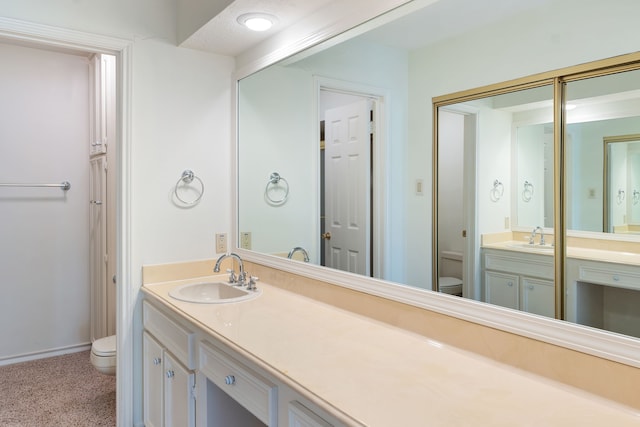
(335,154)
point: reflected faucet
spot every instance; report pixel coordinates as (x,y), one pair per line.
(533,235)
(241,276)
(299,249)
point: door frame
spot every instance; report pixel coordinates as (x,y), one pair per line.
(379,180)
(369,107)
(56,38)
(471,270)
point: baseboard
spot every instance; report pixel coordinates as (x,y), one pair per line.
(10,360)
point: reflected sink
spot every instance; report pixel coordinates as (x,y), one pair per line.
(211,293)
(530,247)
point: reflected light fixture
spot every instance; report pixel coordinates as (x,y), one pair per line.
(257,21)
(569,107)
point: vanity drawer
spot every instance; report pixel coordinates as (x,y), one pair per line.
(257,394)
(610,277)
(532,265)
(176,338)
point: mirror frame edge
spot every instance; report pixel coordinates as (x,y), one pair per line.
(603,344)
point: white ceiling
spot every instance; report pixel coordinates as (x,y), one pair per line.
(441,19)
(223,34)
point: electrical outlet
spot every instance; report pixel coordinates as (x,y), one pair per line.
(221,242)
(245,239)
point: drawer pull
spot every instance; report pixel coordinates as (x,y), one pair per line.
(156,360)
(170,374)
(230,380)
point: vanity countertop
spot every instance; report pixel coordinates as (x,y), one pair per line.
(612,256)
(385,376)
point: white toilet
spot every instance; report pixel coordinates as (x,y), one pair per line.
(103,355)
(450,285)
(451,270)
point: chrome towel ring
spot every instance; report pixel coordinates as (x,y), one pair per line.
(527,193)
(497,191)
(187,178)
(274,183)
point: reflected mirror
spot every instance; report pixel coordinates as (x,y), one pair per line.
(622,177)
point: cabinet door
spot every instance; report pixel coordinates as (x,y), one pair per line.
(179,407)
(152,381)
(98,247)
(300,416)
(538,296)
(96,143)
(501,289)
(101,102)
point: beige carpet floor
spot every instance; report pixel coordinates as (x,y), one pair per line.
(58,391)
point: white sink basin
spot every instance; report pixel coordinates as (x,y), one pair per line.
(530,247)
(211,293)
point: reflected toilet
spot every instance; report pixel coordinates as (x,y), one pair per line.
(451,270)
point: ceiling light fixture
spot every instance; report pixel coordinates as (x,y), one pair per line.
(257,21)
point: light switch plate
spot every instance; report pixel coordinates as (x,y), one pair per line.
(245,239)
(221,242)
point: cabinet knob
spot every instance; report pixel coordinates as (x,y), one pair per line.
(230,380)
(170,374)
(531,287)
(510,284)
(616,278)
(157,360)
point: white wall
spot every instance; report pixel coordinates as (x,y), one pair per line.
(551,36)
(44,232)
(275,136)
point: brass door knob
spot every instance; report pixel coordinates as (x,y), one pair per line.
(326,236)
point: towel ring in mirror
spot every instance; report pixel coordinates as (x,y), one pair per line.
(274,182)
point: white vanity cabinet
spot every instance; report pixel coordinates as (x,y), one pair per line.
(519,280)
(604,295)
(191,378)
(168,376)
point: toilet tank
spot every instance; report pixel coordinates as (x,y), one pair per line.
(450,264)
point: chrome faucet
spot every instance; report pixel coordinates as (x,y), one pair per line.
(299,249)
(533,235)
(241,276)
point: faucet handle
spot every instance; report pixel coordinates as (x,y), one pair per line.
(232,275)
(252,283)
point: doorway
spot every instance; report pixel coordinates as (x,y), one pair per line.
(347,144)
(45,130)
(457,233)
